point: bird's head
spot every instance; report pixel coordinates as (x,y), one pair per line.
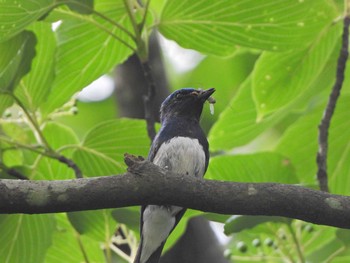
(187,103)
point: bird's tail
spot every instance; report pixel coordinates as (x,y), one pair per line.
(154,258)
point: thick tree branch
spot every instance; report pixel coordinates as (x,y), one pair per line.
(149,184)
(322,176)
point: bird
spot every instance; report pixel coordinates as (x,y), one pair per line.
(181,147)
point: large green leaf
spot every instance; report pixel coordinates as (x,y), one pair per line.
(46,168)
(102,151)
(15,60)
(239,123)
(259,167)
(279,78)
(216,27)
(17,15)
(300,145)
(69,246)
(98,225)
(25,238)
(35,86)
(87,49)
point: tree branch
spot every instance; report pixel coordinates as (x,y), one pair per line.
(149,184)
(321,159)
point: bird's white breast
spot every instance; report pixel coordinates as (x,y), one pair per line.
(182,155)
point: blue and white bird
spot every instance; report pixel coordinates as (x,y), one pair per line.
(181,147)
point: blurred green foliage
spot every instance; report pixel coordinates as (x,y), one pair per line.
(272,63)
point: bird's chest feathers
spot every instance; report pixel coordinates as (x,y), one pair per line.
(181,155)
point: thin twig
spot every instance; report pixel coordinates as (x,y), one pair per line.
(71,164)
(13,172)
(328,113)
(49,151)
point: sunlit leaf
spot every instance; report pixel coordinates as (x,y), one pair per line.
(279,78)
(239,123)
(35,86)
(87,48)
(216,27)
(15,16)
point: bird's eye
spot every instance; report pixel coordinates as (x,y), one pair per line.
(178,96)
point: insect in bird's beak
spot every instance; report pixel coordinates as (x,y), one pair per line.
(206,95)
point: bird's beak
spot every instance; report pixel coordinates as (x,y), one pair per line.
(205,94)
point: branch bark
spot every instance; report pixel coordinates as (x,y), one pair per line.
(321,158)
(149,184)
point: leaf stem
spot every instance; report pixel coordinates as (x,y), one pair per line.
(48,150)
(142,24)
(296,242)
(141,52)
(33,121)
(106,18)
(94,22)
(81,246)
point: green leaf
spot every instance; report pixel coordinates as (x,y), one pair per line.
(279,78)
(35,86)
(239,223)
(300,145)
(69,246)
(239,124)
(129,216)
(15,60)
(25,237)
(255,168)
(90,36)
(225,83)
(102,151)
(344,236)
(59,135)
(83,8)
(216,27)
(98,225)
(5,102)
(15,16)
(46,168)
